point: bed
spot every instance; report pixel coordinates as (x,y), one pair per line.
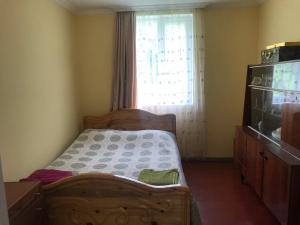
(108,156)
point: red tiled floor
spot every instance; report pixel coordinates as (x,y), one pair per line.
(222,199)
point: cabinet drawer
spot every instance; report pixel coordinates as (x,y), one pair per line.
(32,214)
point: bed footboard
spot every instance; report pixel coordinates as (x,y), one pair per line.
(105,199)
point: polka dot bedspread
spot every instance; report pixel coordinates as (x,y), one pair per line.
(123,153)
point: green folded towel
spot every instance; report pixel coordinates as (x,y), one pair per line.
(164,177)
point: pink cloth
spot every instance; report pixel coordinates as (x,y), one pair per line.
(48,176)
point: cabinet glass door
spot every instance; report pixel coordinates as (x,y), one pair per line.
(272,114)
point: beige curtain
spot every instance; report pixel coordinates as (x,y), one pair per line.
(191,122)
(124,81)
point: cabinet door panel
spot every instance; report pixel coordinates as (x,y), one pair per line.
(259,170)
(276,186)
(251,160)
(240,149)
(254,164)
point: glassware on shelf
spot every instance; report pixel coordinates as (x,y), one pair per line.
(257,81)
(277,134)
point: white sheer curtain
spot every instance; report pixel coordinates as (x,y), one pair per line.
(170,73)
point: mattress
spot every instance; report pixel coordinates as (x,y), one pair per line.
(122,153)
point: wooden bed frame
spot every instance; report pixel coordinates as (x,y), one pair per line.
(105,199)
(132,119)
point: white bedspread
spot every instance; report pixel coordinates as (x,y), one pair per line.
(124,153)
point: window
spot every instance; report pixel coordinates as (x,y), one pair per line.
(165,60)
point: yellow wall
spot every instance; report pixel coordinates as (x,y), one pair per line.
(231,42)
(279,21)
(38,96)
(94,61)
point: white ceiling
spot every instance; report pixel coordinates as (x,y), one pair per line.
(123,5)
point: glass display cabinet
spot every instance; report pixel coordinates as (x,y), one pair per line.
(267,146)
(272,103)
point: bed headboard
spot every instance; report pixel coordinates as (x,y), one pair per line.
(132,119)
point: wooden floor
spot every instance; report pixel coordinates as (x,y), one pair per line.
(222,199)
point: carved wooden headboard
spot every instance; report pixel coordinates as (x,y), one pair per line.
(132,119)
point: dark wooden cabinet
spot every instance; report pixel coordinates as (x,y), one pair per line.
(25,203)
(273,172)
(269,139)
